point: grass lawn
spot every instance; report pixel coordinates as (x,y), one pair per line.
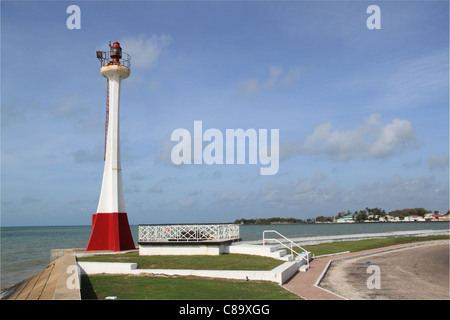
(196,262)
(166,288)
(179,288)
(359,245)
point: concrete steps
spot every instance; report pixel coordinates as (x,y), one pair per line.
(272,251)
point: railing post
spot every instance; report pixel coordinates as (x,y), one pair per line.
(291,244)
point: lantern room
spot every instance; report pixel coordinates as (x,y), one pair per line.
(116,53)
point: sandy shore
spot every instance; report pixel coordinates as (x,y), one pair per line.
(420,272)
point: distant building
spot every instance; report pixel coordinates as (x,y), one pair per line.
(414,218)
(438,217)
(347,218)
(388,218)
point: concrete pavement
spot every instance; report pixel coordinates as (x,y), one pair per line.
(413,273)
(304,283)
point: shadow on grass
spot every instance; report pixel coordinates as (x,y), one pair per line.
(87,291)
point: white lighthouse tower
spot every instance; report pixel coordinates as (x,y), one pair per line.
(110,228)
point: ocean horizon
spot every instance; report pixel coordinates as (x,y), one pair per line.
(25,250)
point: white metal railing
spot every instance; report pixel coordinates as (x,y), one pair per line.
(105,58)
(188,232)
(290,246)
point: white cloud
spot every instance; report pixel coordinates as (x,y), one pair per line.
(370,139)
(163,157)
(415,81)
(66,105)
(77,111)
(318,196)
(93,155)
(276,77)
(216,174)
(399,83)
(437,161)
(156,189)
(145,49)
(28,199)
(14,112)
(188,202)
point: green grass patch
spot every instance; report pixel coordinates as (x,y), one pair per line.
(360,245)
(179,288)
(196,262)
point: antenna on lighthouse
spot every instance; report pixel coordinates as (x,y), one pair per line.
(107,117)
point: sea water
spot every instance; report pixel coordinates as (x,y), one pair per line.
(26,250)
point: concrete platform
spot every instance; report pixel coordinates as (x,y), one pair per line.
(213,248)
(278,275)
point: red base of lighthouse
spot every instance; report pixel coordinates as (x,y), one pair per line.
(110,231)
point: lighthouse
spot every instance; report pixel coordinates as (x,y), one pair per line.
(110,228)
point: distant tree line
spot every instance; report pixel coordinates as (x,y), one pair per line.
(275,220)
(358,216)
(410,212)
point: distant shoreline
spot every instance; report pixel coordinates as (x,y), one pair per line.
(354,222)
(242,224)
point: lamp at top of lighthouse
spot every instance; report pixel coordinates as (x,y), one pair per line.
(116,53)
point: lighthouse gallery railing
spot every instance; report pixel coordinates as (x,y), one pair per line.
(188,232)
(105,58)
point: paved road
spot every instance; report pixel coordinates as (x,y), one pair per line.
(420,272)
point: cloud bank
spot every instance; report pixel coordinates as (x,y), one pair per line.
(145,49)
(371,139)
(277,76)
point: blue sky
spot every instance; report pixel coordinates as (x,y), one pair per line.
(363,114)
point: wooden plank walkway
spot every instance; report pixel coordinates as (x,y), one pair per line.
(40,286)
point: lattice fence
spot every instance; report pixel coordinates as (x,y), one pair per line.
(188,232)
